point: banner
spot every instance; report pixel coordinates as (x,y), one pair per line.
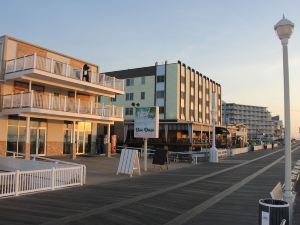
(146,122)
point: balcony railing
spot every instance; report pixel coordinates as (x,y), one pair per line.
(60,103)
(63,69)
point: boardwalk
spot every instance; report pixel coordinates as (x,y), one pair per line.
(209,194)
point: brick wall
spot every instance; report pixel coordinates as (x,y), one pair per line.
(2,148)
(54,148)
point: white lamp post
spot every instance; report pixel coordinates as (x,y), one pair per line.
(213,152)
(284,29)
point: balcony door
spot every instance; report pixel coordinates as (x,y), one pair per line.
(38,141)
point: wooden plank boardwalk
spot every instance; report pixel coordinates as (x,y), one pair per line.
(209,194)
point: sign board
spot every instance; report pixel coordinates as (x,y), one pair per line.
(129,161)
(146,122)
(265,218)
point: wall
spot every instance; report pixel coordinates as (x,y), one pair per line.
(55,138)
(3,134)
(172,91)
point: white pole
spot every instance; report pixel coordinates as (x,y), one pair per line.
(287,139)
(213,153)
(145,154)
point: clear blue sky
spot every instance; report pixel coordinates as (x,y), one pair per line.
(232,42)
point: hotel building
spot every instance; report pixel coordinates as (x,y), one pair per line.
(184,97)
(50,102)
(257,119)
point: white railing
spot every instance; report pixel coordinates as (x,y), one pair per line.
(60,103)
(63,69)
(24,181)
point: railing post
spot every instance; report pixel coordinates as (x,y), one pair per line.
(91,107)
(113,111)
(52,178)
(34,60)
(114,83)
(78,106)
(21,100)
(52,66)
(11,100)
(31,98)
(49,101)
(15,65)
(17,179)
(67,68)
(81,175)
(65,104)
(24,62)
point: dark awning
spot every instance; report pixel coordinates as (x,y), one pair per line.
(221,130)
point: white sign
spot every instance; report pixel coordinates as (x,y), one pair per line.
(265,218)
(146,122)
(129,162)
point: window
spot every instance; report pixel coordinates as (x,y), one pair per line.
(160,79)
(161,110)
(129,96)
(128,111)
(113,99)
(130,82)
(143,80)
(160,94)
(142,95)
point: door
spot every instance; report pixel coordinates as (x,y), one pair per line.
(80,145)
(67,141)
(38,141)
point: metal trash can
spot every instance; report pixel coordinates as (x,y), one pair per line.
(273,212)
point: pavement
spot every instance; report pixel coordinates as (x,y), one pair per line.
(222,193)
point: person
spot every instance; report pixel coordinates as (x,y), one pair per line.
(85,74)
(272,144)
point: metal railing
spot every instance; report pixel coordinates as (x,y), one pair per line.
(60,103)
(35,180)
(53,66)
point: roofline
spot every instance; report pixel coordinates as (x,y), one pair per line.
(47,49)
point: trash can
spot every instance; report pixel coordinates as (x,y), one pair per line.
(273,212)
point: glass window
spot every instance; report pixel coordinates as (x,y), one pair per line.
(160,94)
(143,80)
(128,111)
(12,138)
(161,110)
(130,82)
(129,96)
(160,79)
(142,95)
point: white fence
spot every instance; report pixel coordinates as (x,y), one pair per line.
(25,180)
(236,151)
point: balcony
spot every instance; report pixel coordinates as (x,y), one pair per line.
(59,107)
(53,72)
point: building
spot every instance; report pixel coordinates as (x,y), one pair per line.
(277,127)
(257,119)
(50,101)
(184,97)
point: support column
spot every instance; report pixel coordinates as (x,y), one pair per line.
(108,145)
(190,132)
(74,141)
(27,139)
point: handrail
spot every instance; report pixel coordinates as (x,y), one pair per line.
(57,67)
(60,103)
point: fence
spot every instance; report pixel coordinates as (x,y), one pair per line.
(61,175)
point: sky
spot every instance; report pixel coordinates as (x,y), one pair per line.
(232,42)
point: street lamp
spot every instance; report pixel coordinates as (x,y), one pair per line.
(284,29)
(213,152)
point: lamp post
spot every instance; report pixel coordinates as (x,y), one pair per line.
(284,29)
(213,152)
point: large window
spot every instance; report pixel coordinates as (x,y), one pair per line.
(160,94)
(142,95)
(128,111)
(143,80)
(129,96)
(160,79)
(130,82)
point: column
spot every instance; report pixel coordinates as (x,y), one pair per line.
(27,139)
(74,141)
(108,145)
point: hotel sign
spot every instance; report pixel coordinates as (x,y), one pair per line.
(146,122)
